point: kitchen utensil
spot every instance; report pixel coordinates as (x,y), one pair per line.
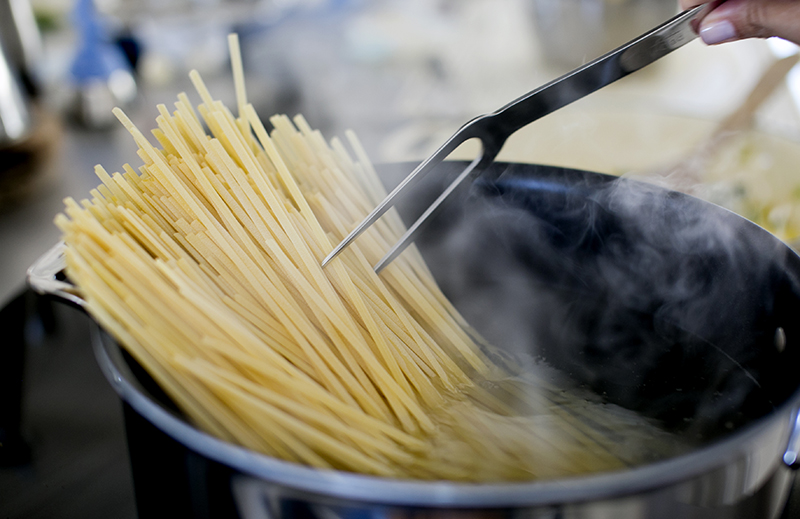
(493,129)
(655,301)
(15,110)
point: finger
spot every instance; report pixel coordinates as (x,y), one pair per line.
(738,19)
(710,5)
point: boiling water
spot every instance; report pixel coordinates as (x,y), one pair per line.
(538,426)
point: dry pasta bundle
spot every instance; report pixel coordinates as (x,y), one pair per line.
(205,265)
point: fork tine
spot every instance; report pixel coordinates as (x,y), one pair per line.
(412,231)
(415,176)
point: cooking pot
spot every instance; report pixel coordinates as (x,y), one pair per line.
(651,300)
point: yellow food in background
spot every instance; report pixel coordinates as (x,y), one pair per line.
(753,175)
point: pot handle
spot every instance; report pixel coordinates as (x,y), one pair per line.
(791,457)
(46,277)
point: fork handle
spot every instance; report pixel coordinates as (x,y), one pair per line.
(593,76)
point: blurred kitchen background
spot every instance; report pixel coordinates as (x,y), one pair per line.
(404,74)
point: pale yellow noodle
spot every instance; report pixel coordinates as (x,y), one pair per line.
(204,263)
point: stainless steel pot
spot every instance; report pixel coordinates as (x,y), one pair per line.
(659,302)
(15,110)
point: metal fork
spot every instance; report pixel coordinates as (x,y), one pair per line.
(493,129)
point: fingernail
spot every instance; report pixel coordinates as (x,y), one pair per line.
(717,32)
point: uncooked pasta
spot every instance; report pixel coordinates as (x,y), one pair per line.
(204,263)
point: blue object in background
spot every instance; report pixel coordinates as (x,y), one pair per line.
(98,56)
(101,71)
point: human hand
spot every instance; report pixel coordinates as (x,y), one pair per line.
(729,20)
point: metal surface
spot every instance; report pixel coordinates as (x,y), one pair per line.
(492,130)
(15,111)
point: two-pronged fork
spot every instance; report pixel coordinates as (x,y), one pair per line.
(493,129)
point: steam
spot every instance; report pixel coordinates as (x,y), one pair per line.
(653,299)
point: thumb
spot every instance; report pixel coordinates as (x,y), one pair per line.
(739,19)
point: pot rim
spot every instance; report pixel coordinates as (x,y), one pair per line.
(438,494)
